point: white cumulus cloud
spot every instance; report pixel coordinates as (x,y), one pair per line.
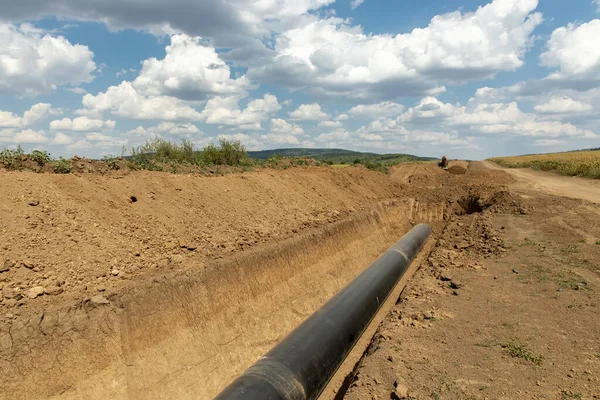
(337,59)
(575,51)
(562,104)
(32,62)
(191,70)
(81,124)
(35,114)
(309,112)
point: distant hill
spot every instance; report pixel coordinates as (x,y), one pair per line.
(337,155)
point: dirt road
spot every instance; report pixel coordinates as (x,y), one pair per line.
(573,187)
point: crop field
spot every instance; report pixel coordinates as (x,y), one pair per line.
(575,163)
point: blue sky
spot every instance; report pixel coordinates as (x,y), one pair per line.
(469,79)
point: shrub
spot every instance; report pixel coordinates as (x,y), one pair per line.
(227,153)
(62,166)
(40,157)
(12,159)
(111,161)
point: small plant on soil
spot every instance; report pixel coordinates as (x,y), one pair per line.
(62,166)
(40,157)
(521,350)
(565,395)
(598,242)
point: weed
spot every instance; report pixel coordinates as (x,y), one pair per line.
(435,396)
(529,242)
(40,157)
(571,249)
(61,166)
(521,350)
(597,242)
(488,343)
(570,395)
(12,159)
(570,280)
(111,161)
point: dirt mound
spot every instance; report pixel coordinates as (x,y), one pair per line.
(457,170)
(76,236)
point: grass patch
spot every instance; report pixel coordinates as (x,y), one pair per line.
(567,395)
(570,280)
(521,350)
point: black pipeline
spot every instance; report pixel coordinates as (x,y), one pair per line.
(301,365)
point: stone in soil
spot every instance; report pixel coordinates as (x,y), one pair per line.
(35,292)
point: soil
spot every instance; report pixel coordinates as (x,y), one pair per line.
(506,307)
(133,284)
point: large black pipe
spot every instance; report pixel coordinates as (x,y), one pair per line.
(301,365)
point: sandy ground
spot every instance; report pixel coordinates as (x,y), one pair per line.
(505,308)
(149,285)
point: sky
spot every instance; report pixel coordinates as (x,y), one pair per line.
(467,79)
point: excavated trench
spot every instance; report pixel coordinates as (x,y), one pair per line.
(188,335)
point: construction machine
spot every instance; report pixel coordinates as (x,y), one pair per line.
(444,163)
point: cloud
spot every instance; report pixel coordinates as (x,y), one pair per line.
(333,58)
(81,124)
(488,119)
(61,139)
(309,112)
(354,4)
(226,111)
(191,70)
(124,101)
(574,51)
(231,24)
(32,62)
(26,136)
(77,90)
(331,124)
(376,111)
(281,126)
(35,114)
(177,129)
(549,142)
(597,2)
(562,105)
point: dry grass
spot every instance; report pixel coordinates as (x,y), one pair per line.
(577,163)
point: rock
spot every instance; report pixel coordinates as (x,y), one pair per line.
(101,288)
(115,272)
(515,271)
(455,293)
(445,278)
(53,290)
(99,300)
(34,202)
(401,392)
(10,302)
(35,292)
